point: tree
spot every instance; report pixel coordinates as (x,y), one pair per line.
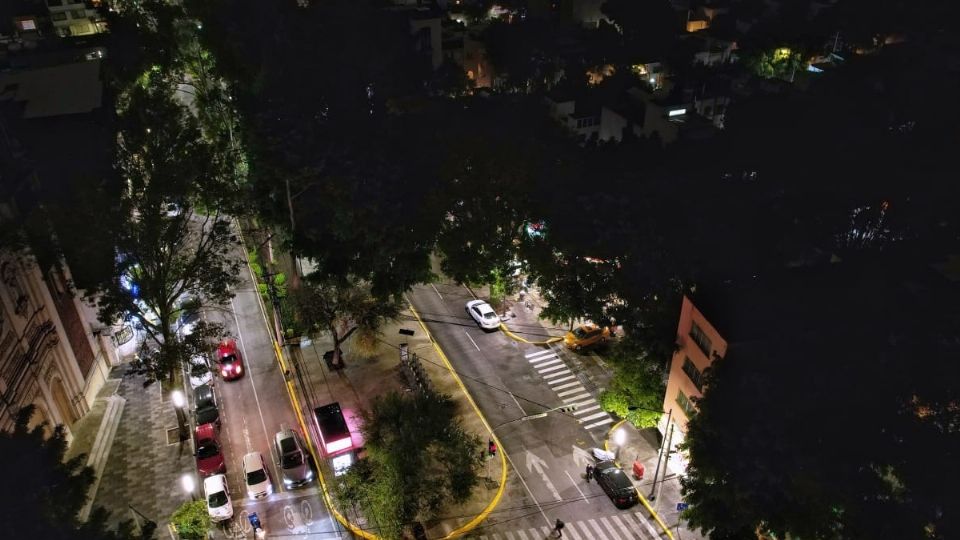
(50,492)
(192,520)
(649,27)
(167,249)
(815,431)
(341,308)
(637,384)
(419,460)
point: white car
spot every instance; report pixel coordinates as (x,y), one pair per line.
(199,371)
(256,476)
(219,504)
(483,314)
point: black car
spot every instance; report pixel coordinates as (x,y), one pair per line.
(205,405)
(615,484)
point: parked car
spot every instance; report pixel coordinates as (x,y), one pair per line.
(209,455)
(292,458)
(483,314)
(217,493)
(205,405)
(229,359)
(199,371)
(189,316)
(256,476)
(586,335)
(615,484)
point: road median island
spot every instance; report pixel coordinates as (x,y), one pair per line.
(366,375)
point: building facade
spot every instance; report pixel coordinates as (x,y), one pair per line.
(699,343)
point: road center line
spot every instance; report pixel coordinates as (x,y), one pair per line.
(575,486)
(249,377)
(471,340)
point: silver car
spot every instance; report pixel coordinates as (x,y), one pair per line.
(292,457)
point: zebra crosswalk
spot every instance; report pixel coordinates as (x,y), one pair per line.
(556,373)
(623,526)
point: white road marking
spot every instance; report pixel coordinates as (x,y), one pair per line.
(575,398)
(567,385)
(568,392)
(436,291)
(471,340)
(555,381)
(613,532)
(623,528)
(249,377)
(600,423)
(580,404)
(556,374)
(596,528)
(552,368)
(549,363)
(523,535)
(509,535)
(586,530)
(524,482)
(539,353)
(647,524)
(535,462)
(593,416)
(580,411)
(575,486)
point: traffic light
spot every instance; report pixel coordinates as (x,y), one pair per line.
(491,447)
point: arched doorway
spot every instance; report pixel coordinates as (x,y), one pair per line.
(63,402)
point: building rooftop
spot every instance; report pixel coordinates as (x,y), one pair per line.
(73,88)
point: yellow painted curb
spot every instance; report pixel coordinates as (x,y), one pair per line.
(472,524)
(294,402)
(646,503)
(524,340)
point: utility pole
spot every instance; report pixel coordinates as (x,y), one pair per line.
(666,463)
(656,471)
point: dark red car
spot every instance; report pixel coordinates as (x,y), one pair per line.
(209,455)
(229,360)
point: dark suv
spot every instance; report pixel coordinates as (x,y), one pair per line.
(206,411)
(615,484)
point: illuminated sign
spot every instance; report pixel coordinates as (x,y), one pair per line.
(677,112)
(334,433)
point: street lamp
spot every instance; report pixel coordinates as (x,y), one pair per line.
(179,401)
(188,485)
(669,435)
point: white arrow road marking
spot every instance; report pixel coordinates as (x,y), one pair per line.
(534,462)
(581,457)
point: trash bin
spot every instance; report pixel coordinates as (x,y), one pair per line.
(638,470)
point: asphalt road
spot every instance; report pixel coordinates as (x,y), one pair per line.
(252,409)
(548,456)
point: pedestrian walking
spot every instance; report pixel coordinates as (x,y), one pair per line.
(558,528)
(589,472)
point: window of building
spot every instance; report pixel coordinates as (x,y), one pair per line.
(58,16)
(688,407)
(78,14)
(695,375)
(701,339)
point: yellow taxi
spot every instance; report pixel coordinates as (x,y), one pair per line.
(586,335)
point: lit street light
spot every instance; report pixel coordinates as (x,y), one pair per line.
(179,401)
(188,485)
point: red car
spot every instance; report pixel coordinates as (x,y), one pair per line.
(209,455)
(231,364)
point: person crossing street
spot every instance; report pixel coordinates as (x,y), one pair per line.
(558,528)
(589,472)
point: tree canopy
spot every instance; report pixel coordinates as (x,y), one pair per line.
(49,492)
(419,460)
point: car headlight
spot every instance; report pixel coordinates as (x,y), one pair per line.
(239,369)
(224,372)
(287,481)
(309,474)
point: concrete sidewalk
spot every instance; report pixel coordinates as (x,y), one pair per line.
(366,376)
(128,440)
